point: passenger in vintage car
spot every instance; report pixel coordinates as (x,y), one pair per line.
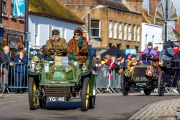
(78,47)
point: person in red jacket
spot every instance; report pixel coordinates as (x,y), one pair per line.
(175,48)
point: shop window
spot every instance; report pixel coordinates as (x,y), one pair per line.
(136,47)
(120,30)
(153,40)
(115,30)
(146,40)
(138,33)
(127,46)
(50,31)
(4,7)
(129,32)
(110,29)
(95,28)
(15,41)
(63,32)
(125,31)
(135,32)
(36,34)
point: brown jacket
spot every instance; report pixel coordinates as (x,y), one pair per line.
(59,44)
(74,49)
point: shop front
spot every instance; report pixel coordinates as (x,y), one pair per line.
(1,38)
(15,41)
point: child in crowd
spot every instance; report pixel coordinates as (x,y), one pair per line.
(133,58)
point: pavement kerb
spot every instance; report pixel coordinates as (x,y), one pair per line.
(172,109)
(12,94)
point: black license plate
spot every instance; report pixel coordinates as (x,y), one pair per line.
(56,99)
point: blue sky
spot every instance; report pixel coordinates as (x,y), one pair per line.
(176,3)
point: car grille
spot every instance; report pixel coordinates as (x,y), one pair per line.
(140,74)
(57,91)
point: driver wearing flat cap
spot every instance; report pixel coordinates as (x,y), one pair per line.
(56,43)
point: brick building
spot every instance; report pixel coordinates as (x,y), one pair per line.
(153,4)
(137,4)
(13,27)
(177,25)
(114,24)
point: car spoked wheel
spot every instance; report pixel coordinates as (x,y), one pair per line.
(85,95)
(124,86)
(178,86)
(92,101)
(42,99)
(147,91)
(32,89)
(161,83)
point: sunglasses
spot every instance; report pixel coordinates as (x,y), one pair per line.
(76,34)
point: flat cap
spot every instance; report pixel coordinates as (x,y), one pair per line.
(55,32)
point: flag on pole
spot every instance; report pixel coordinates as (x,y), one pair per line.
(19,8)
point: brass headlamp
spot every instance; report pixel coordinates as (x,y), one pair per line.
(35,60)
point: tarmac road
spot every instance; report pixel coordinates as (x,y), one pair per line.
(108,107)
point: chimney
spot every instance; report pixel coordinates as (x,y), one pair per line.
(137,4)
(177,26)
(153,4)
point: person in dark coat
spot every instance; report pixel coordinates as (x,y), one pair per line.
(20,69)
(5,58)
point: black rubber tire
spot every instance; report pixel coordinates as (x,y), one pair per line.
(84,97)
(42,102)
(147,91)
(92,102)
(161,83)
(125,90)
(31,91)
(178,86)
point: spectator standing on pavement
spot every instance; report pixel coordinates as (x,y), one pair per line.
(20,69)
(97,64)
(5,58)
(119,62)
(156,49)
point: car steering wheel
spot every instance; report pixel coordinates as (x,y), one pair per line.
(148,56)
(57,51)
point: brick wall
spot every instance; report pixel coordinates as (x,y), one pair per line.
(106,14)
(12,23)
(153,4)
(137,4)
(177,26)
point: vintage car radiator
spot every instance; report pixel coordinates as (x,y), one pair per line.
(140,74)
(57,91)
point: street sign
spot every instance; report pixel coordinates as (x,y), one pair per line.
(130,51)
(19,8)
(28,35)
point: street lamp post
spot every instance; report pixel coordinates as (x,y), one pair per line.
(166,20)
(26,26)
(89,20)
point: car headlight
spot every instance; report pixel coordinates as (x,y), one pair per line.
(128,72)
(149,71)
(35,59)
(35,64)
(38,67)
(161,62)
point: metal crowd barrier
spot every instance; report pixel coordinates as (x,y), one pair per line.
(14,77)
(103,81)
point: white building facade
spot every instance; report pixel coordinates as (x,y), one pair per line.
(151,33)
(40,29)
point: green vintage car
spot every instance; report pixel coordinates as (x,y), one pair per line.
(60,80)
